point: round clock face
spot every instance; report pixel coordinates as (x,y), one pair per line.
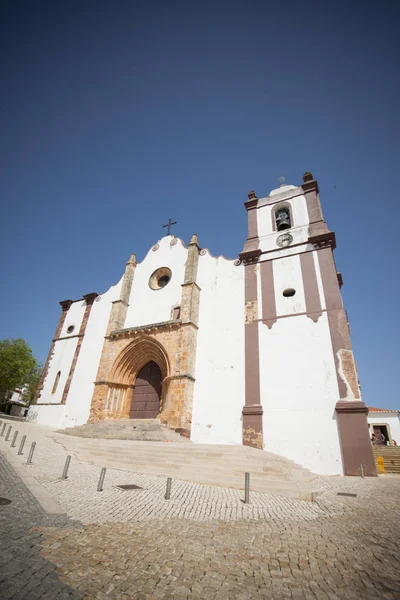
(284,240)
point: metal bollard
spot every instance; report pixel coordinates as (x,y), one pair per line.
(168,491)
(362,471)
(4,428)
(14,439)
(8,433)
(101,480)
(31,451)
(21,446)
(246,488)
(66,467)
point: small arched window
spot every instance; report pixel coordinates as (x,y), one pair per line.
(282,218)
(57,379)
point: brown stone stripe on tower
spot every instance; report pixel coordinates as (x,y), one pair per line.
(352,413)
(310,285)
(89,298)
(252,410)
(65,305)
(268,293)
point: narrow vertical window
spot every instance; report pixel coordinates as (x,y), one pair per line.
(57,379)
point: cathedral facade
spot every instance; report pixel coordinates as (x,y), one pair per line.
(252,351)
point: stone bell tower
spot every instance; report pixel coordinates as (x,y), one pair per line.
(302,394)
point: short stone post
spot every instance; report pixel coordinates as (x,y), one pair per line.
(31,451)
(66,467)
(247,488)
(168,491)
(21,446)
(101,480)
(14,439)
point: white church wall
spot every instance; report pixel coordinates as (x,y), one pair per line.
(46,415)
(220,383)
(299,391)
(63,355)
(390,419)
(82,385)
(73,319)
(154,306)
(287,274)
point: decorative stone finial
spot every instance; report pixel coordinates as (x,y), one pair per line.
(132,260)
(194,239)
(307,176)
(252,195)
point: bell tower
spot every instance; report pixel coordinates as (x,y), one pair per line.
(302,395)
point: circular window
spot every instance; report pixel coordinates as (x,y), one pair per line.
(70,329)
(160,278)
(289,292)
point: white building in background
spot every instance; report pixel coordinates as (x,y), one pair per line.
(251,351)
(384,421)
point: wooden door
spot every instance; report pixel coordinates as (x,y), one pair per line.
(147,393)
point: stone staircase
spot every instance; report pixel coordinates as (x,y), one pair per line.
(208,464)
(143,430)
(391,458)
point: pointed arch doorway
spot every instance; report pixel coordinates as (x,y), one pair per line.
(146,399)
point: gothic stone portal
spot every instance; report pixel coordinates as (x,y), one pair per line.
(147,393)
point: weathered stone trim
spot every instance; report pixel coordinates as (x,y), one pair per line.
(310,284)
(252,242)
(65,306)
(119,307)
(140,328)
(252,417)
(89,298)
(181,376)
(269,316)
(355,443)
(67,337)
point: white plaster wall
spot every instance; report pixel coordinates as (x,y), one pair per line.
(299,391)
(46,415)
(64,351)
(287,274)
(391,419)
(82,385)
(154,306)
(220,384)
(74,317)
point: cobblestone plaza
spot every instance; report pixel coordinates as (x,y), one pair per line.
(203,543)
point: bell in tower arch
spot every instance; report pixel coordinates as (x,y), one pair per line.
(282,217)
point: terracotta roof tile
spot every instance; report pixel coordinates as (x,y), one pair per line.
(382,410)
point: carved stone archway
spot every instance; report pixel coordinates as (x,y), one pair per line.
(127,365)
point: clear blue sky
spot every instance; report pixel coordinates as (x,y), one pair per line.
(118,115)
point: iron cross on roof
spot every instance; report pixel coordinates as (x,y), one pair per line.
(169,225)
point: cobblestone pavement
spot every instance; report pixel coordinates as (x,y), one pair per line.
(354,555)
(24,572)
(79,497)
(203,543)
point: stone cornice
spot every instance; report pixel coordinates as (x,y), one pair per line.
(68,337)
(131,331)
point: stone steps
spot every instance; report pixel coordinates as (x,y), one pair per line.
(391,458)
(148,430)
(202,463)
